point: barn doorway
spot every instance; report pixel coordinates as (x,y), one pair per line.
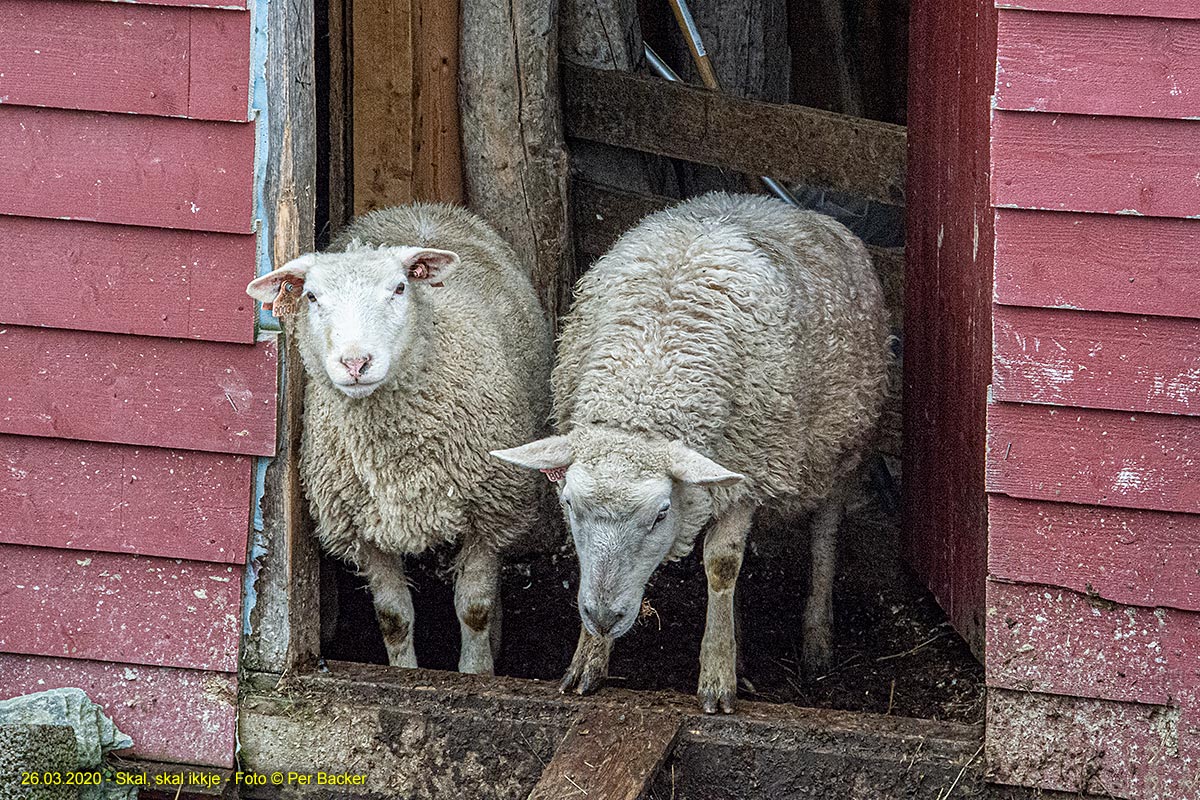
(815,93)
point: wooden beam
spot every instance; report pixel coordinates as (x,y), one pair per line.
(792,143)
(609,753)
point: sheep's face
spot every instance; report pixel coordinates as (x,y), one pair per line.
(627,500)
(357,307)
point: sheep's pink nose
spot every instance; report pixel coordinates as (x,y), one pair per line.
(356,366)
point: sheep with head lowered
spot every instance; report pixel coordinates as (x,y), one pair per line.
(425,348)
(726,353)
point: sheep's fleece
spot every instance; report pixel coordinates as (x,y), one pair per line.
(407,468)
(751,331)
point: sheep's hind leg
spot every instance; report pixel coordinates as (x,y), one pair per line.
(393,604)
(589,667)
(818,613)
(723,549)
(477,602)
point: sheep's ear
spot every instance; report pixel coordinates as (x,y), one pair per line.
(551,455)
(690,467)
(269,286)
(429,265)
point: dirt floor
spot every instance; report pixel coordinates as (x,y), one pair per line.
(894,651)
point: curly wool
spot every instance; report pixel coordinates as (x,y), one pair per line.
(407,468)
(753,332)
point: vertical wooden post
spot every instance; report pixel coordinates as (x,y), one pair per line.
(515,164)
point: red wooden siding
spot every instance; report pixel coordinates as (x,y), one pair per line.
(1139,558)
(185,3)
(89,496)
(119,608)
(170,173)
(1145,68)
(1113,165)
(1137,265)
(126,279)
(1180,9)
(1107,458)
(136,390)
(1096,360)
(123,57)
(178,715)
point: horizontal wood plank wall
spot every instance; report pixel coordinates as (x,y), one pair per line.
(220,4)
(1093,442)
(136,396)
(156,704)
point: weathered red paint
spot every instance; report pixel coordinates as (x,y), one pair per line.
(133,170)
(122,57)
(173,715)
(121,499)
(1107,458)
(120,608)
(126,279)
(186,3)
(948,290)
(1141,558)
(1088,64)
(1057,641)
(1094,747)
(1096,360)
(1179,9)
(1111,165)
(1097,262)
(138,390)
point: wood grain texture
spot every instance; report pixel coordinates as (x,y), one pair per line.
(89,496)
(610,754)
(174,715)
(1123,555)
(126,279)
(947,303)
(120,57)
(119,608)
(129,169)
(1106,458)
(1097,262)
(1179,9)
(1096,360)
(1111,165)
(1090,64)
(136,390)
(1115,750)
(228,4)
(793,143)
(1056,641)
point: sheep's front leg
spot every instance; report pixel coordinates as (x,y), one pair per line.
(818,613)
(393,604)
(589,667)
(477,602)
(723,549)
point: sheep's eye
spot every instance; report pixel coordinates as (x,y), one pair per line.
(399,290)
(312,298)
(662,513)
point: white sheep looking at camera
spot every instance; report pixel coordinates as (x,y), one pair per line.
(726,353)
(425,348)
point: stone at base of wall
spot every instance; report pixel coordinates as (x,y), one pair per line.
(28,750)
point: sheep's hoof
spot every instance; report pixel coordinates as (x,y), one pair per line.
(584,679)
(816,657)
(713,700)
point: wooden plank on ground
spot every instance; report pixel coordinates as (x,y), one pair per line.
(121,57)
(1096,360)
(159,707)
(129,169)
(609,753)
(126,279)
(1095,64)
(820,148)
(1111,165)
(1179,9)
(1097,262)
(138,390)
(120,608)
(1108,458)
(1139,558)
(115,498)
(1101,747)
